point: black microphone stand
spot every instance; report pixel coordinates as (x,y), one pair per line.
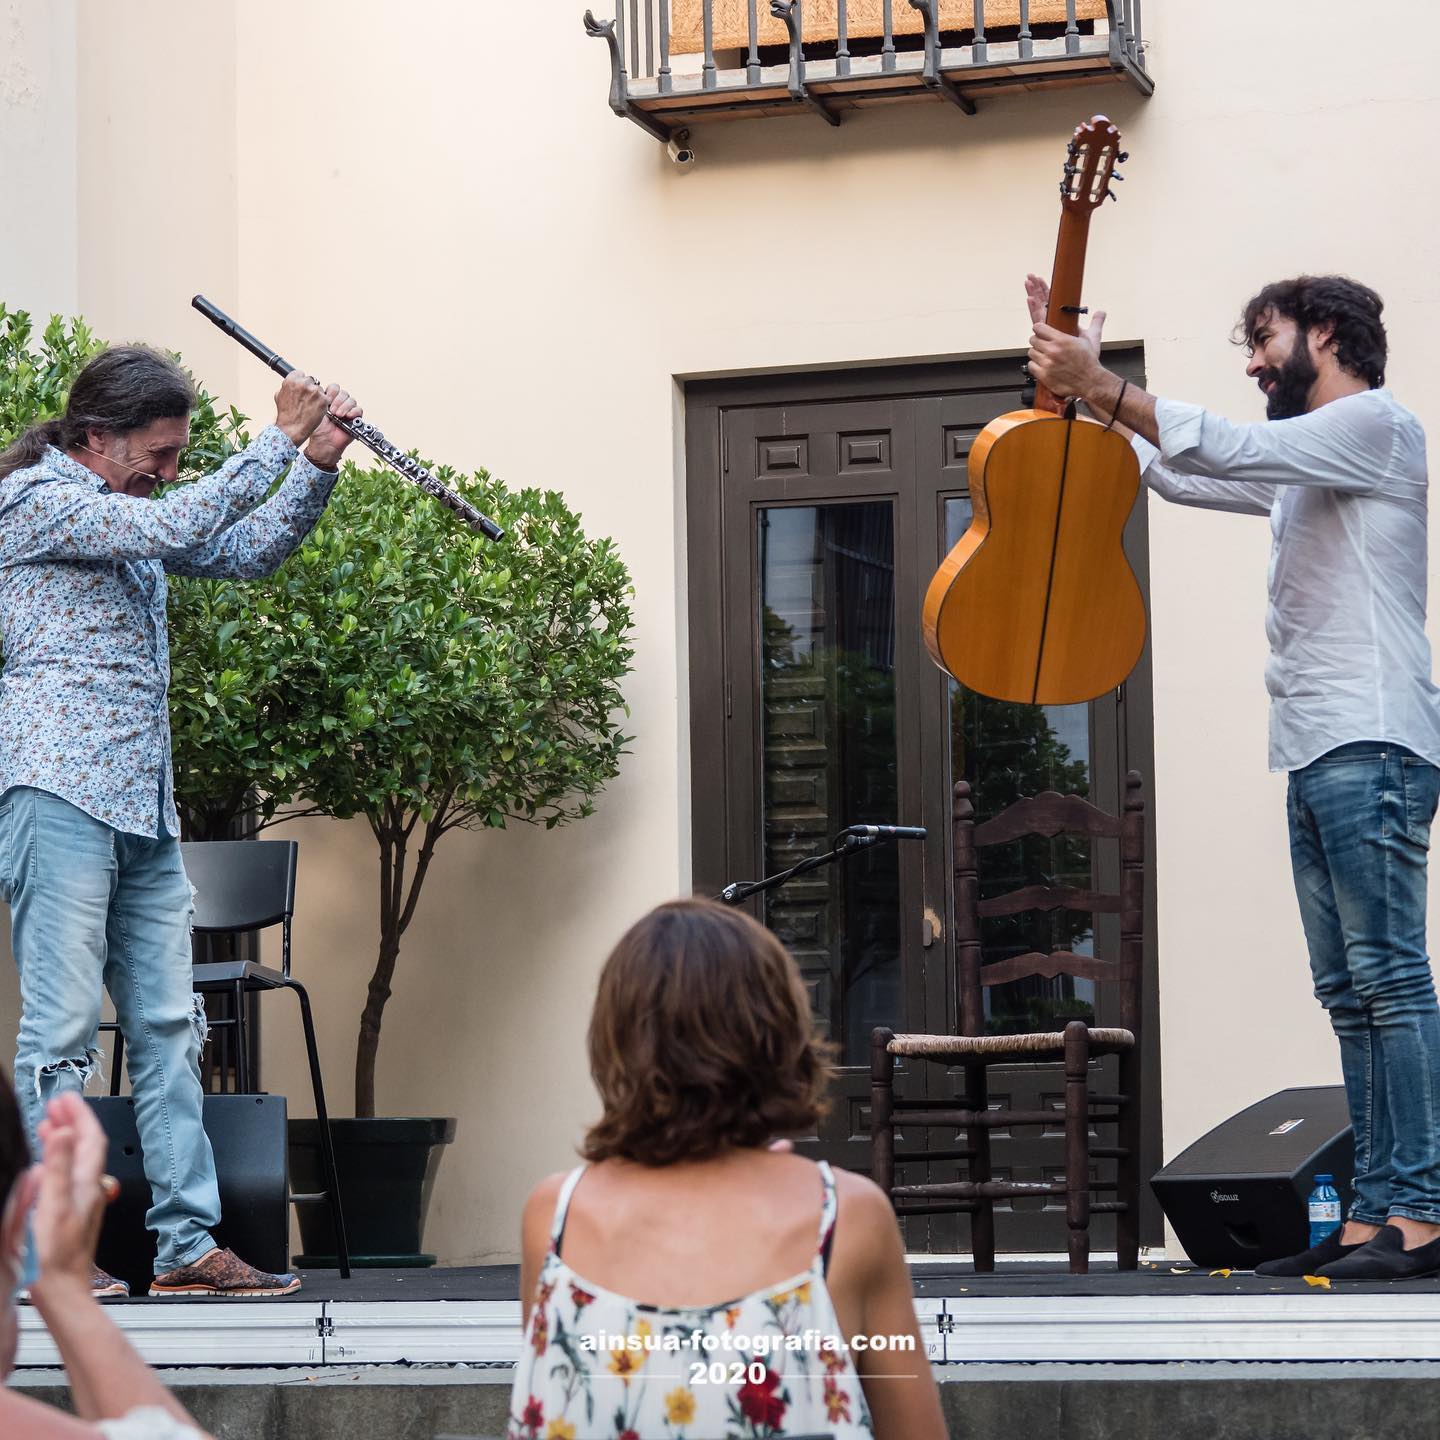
(846,844)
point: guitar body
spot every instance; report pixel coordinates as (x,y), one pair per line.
(1037,603)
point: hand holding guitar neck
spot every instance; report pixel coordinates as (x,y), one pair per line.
(1037,603)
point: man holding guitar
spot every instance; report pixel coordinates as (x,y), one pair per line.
(1339,468)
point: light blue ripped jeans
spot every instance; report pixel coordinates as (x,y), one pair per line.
(92,905)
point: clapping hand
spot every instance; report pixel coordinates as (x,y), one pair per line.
(71,1192)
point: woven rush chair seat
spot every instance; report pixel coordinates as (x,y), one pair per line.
(1103,1041)
(959,1106)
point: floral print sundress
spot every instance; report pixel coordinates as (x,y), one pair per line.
(599,1366)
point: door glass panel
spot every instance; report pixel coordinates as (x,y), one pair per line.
(826,612)
(1007,751)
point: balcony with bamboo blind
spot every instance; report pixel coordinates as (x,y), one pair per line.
(674,63)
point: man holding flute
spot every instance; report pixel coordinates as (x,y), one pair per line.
(89,837)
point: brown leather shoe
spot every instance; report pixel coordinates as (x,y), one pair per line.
(104,1286)
(222,1272)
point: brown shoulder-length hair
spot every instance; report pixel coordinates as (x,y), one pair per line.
(701,1039)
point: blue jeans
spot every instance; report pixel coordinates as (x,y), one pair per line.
(1359,841)
(92,905)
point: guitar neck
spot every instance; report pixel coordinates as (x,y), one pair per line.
(1065,286)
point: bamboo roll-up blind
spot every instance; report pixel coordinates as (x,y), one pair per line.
(864,19)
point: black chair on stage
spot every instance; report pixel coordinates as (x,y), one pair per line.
(243,886)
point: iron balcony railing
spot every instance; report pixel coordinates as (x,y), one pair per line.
(673,62)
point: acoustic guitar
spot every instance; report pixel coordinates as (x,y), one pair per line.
(1037,602)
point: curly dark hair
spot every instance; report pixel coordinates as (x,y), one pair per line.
(1350,309)
(701,1039)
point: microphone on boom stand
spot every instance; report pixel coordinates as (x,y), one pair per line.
(886,832)
(851,839)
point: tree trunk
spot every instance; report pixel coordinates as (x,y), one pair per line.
(369,1043)
(392,880)
(397,907)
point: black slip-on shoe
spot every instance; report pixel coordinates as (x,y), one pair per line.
(1386,1258)
(1308,1262)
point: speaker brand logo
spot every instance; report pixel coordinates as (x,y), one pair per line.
(1286,1126)
(1220,1197)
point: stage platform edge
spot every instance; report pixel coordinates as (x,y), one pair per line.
(1018,1315)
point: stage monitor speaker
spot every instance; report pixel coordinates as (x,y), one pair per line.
(247,1134)
(1237,1196)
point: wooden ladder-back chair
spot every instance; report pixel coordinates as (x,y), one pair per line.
(974,1051)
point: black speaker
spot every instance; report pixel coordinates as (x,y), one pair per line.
(247,1134)
(1237,1195)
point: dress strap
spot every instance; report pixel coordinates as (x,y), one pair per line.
(562,1206)
(829,1208)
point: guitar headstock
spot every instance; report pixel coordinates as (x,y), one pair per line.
(1091,159)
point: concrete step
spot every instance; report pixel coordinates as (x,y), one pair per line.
(1190,1401)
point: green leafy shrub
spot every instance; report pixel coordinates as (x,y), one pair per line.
(402,668)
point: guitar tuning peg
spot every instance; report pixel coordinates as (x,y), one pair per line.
(1116,177)
(1111,195)
(1122,157)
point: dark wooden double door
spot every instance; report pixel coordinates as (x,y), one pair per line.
(819,508)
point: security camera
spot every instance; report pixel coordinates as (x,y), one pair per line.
(678,149)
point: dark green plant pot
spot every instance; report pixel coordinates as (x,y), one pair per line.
(387,1170)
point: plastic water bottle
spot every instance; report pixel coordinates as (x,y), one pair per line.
(1324,1207)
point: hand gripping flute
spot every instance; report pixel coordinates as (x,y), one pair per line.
(362,430)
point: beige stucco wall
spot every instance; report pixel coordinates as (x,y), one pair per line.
(39,267)
(441,213)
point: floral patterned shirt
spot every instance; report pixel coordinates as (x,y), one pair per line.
(83,709)
(598,1366)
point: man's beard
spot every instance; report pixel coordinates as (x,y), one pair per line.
(1293,380)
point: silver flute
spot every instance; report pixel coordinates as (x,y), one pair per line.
(362,430)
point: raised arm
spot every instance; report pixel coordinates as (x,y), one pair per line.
(1070,365)
(108,1379)
(78,516)
(1237,497)
(72,519)
(1343,445)
(261,542)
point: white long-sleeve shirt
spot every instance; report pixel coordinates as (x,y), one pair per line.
(1345,489)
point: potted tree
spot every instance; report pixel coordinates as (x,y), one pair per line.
(401,669)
